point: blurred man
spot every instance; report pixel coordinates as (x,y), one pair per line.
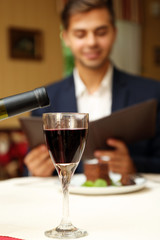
(97,87)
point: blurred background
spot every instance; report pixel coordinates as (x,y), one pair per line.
(33,55)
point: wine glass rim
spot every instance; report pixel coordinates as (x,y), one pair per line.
(65,113)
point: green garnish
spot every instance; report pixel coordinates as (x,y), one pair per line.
(88,184)
(98,183)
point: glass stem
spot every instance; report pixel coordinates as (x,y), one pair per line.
(65,222)
(65,218)
(65,174)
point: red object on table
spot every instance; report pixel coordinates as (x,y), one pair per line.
(8,238)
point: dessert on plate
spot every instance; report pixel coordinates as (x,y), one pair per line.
(95,169)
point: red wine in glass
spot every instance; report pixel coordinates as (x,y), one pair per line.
(66,145)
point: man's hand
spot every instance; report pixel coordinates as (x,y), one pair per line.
(38,162)
(120,160)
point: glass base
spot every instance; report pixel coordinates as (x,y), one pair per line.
(66,234)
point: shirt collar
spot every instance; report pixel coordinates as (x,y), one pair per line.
(80,87)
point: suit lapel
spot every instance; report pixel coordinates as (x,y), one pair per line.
(120,93)
(68,104)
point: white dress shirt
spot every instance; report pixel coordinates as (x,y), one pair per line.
(97,104)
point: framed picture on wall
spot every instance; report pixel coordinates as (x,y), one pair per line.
(25,43)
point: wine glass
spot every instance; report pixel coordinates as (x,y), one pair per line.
(65,135)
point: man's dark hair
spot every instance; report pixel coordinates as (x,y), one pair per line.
(80,6)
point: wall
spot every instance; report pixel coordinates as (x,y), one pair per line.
(17,76)
(151,39)
(140,41)
(126,53)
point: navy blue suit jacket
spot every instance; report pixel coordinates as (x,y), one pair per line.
(127,90)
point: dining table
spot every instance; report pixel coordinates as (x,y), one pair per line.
(31,205)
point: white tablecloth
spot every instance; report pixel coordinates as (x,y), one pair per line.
(29,207)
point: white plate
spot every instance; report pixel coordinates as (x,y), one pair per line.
(79,179)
